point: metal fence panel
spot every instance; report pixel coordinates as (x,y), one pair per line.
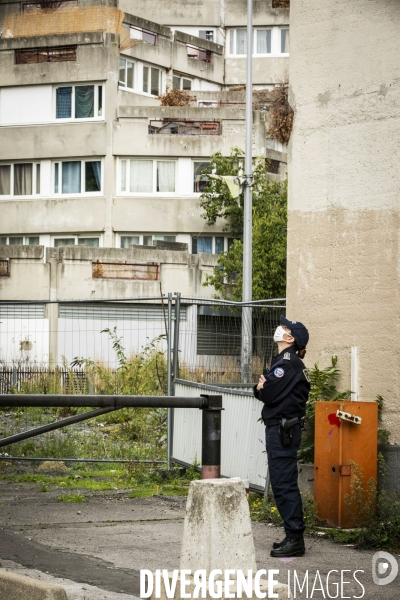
(242,439)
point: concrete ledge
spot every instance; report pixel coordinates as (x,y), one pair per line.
(18,587)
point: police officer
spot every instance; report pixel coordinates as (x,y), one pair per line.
(284,390)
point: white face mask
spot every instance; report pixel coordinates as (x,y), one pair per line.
(279,333)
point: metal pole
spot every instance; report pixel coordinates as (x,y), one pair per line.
(176,338)
(100,401)
(247,349)
(169,380)
(175,371)
(211,438)
(24,435)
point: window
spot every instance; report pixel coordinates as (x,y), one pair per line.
(76,240)
(263,41)
(181,83)
(19,240)
(77,177)
(199,180)
(237,41)
(128,240)
(206,34)
(285,41)
(79,102)
(151,80)
(20,179)
(143,239)
(126,73)
(210,244)
(272,41)
(41,55)
(199,54)
(149,37)
(147,176)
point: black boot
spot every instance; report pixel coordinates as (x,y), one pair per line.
(276,545)
(290,547)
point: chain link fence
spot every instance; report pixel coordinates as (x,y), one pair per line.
(135,346)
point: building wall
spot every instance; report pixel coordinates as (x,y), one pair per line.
(343,238)
(66,273)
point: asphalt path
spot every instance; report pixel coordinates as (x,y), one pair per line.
(96,549)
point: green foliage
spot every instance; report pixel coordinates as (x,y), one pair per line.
(262,508)
(323,387)
(375,511)
(71,498)
(269,229)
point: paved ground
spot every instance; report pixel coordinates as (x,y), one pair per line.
(96,549)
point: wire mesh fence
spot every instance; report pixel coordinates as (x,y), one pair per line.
(119,347)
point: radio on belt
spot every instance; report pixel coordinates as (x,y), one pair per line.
(349,417)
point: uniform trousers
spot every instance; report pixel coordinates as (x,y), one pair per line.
(282,465)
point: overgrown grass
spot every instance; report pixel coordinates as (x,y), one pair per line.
(71,498)
(138,479)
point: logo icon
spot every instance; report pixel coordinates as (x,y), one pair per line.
(279,372)
(381,561)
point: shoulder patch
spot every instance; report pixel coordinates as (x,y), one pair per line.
(306,375)
(286,356)
(279,372)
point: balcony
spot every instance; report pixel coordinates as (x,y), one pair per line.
(184,127)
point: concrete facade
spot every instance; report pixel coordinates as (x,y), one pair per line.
(119,134)
(343,232)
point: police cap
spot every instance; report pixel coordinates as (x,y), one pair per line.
(299,331)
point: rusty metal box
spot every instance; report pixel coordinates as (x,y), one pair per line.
(338,444)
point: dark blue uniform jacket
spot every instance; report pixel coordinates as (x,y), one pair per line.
(286,388)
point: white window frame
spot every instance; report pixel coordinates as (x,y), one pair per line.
(275,42)
(141,237)
(76,237)
(138,78)
(160,79)
(34,179)
(213,237)
(128,173)
(81,193)
(96,117)
(197,194)
(280,40)
(24,238)
(182,77)
(135,64)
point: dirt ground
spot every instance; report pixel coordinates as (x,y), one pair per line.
(95,549)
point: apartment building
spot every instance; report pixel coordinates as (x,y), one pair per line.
(88,155)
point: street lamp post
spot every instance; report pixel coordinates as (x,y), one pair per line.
(247,338)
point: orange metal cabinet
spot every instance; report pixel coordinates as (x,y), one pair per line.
(337,443)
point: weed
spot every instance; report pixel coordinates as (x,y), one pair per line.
(71,498)
(375,511)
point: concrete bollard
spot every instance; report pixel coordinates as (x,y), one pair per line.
(19,587)
(217,535)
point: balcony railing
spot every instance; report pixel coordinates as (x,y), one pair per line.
(184,127)
(199,54)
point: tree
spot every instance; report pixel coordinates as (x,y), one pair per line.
(269,229)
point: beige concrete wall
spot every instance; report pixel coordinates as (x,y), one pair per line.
(343,243)
(55,140)
(176,12)
(90,65)
(53,215)
(263,13)
(266,71)
(66,273)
